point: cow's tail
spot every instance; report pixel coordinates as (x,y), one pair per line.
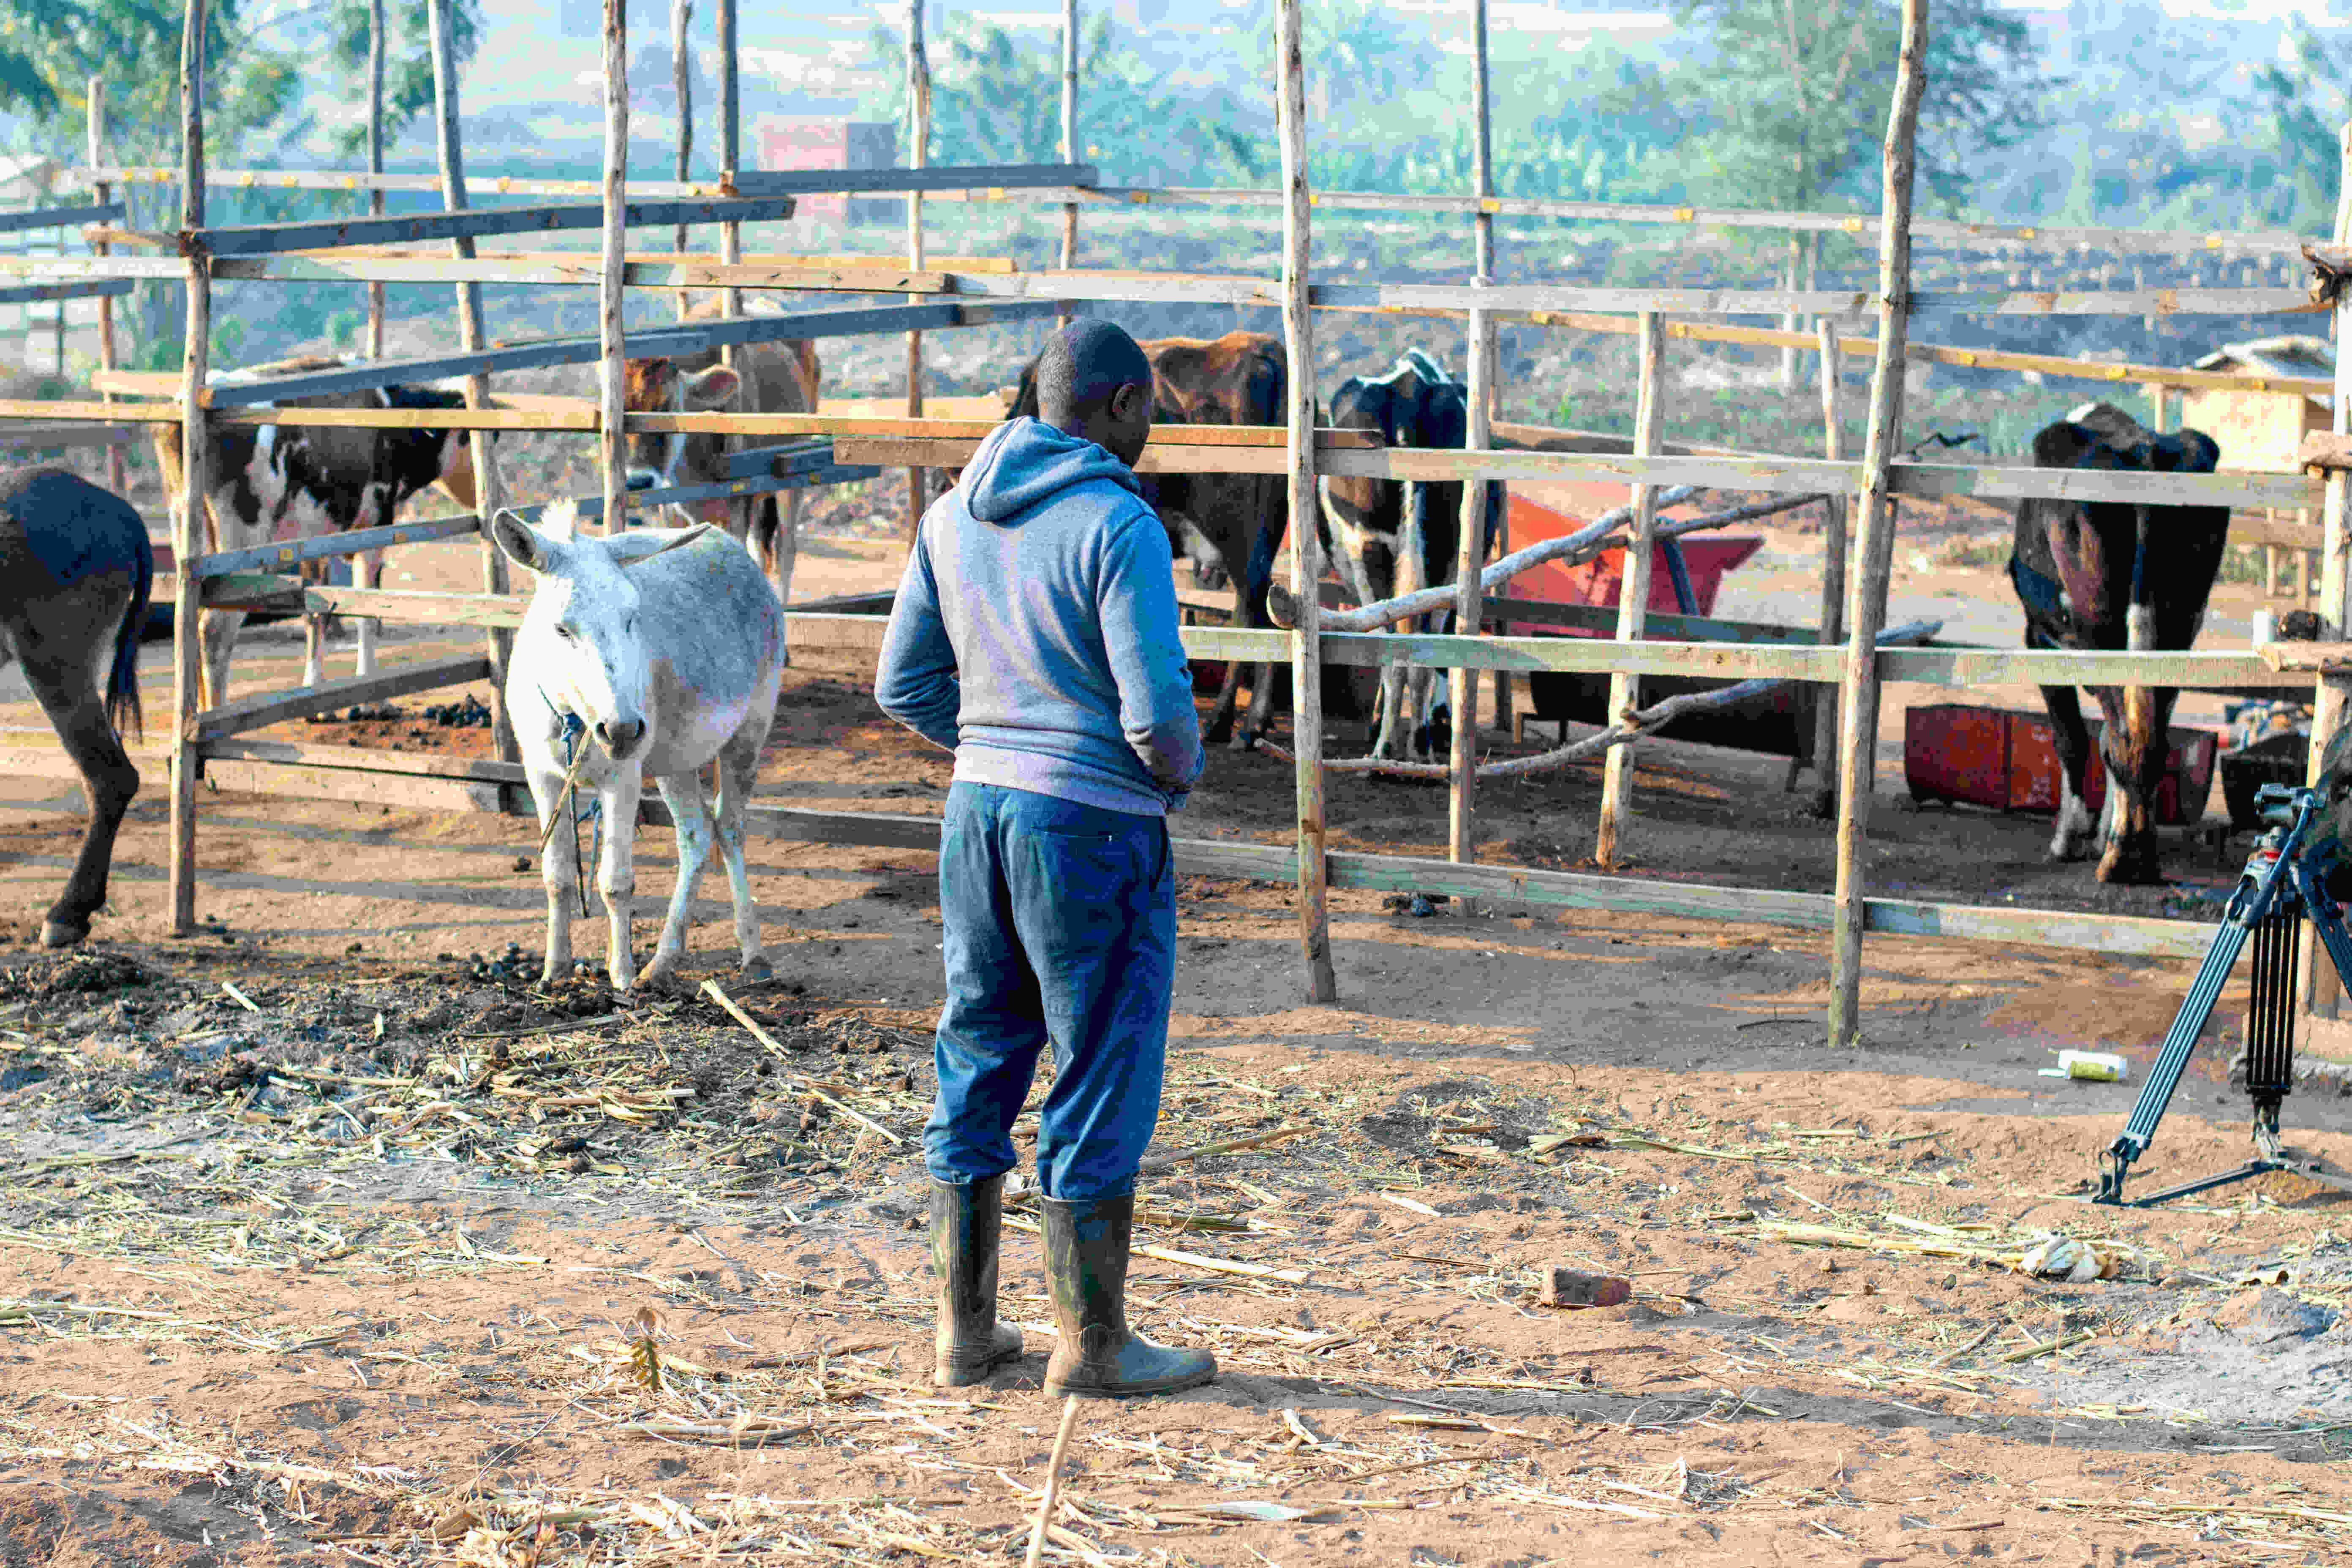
(122,680)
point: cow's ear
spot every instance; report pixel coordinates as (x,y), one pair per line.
(526,546)
(712,388)
(2059,445)
(2189,452)
(640,545)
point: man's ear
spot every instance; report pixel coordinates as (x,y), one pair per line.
(1130,402)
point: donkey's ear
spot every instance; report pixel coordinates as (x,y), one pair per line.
(712,388)
(524,545)
(640,545)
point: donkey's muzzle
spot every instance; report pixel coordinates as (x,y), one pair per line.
(621,737)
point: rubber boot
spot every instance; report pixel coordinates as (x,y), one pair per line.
(966,1224)
(1086,1267)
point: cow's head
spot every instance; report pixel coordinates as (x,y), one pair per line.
(408,462)
(663,458)
(579,642)
(1416,404)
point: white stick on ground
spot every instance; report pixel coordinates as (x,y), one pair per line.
(1053,1481)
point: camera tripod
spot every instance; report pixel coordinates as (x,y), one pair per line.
(2285,882)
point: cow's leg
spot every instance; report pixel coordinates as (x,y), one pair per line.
(218,628)
(558,869)
(1256,583)
(783,541)
(369,569)
(617,873)
(2073,740)
(2135,747)
(314,626)
(68,669)
(689,814)
(739,767)
(1399,682)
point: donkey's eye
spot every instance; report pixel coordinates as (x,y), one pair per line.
(566,633)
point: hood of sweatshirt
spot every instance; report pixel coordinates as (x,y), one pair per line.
(1025,462)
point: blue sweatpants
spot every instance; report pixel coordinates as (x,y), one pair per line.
(1061,927)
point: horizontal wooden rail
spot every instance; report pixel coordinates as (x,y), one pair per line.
(259,557)
(2043,237)
(60,217)
(88,289)
(723,490)
(991,178)
(277,238)
(20,437)
(265,708)
(454,784)
(1781,476)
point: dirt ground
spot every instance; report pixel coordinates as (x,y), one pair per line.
(327,1236)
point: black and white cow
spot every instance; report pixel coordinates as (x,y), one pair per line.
(276,483)
(2114,575)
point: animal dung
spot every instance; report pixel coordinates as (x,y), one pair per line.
(1576,1288)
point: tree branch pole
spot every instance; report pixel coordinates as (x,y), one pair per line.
(489,494)
(2328,703)
(731,158)
(1633,590)
(1069,131)
(681,83)
(117,480)
(195,453)
(1875,543)
(1470,556)
(377,46)
(918,151)
(612,441)
(1306,560)
(1833,575)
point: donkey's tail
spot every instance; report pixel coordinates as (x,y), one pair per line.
(122,680)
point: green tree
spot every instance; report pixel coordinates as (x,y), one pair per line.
(1798,90)
(408,58)
(2309,95)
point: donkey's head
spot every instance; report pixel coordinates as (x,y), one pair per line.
(580,640)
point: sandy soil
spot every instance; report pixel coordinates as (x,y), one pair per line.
(326,1237)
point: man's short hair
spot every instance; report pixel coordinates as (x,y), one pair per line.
(1083,366)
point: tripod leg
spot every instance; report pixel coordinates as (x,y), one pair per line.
(2164,1076)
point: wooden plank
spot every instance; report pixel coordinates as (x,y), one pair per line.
(2325,450)
(2254,527)
(116,472)
(939,177)
(1634,589)
(262,557)
(264,708)
(1835,562)
(272,239)
(195,459)
(611,351)
(1873,544)
(2309,658)
(1779,476)
(91,289)
(1310,850)
(19,438)
(60,217)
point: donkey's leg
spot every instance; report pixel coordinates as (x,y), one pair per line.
(558,869)
(68,671)
(739,764)
(616,875)
(689,813)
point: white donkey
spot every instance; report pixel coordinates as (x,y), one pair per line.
(652,651)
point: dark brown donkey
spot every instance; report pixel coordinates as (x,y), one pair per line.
(76,571)
(2114,575)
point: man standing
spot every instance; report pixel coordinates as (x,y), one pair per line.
(1036,635)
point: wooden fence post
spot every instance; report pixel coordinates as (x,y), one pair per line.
(1633,592)
(613,447)
(117,480)
(681,82)
(377,46)
(730,153)
(489,494)
(918,151)
(1470,556)
(1833,575)
(2321,989)
(195,453)
(1875,540)
(1069,131)
(1306,561)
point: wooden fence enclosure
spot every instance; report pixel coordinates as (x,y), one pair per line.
(939,294)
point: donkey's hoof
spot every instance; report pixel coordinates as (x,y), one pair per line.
(56,933)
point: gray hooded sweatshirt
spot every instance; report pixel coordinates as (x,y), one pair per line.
(1035,633)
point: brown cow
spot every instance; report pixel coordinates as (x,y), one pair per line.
(774,378)
(1238,378)
(291,482)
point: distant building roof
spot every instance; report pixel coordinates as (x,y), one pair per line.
(20,173)
(2289,354)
